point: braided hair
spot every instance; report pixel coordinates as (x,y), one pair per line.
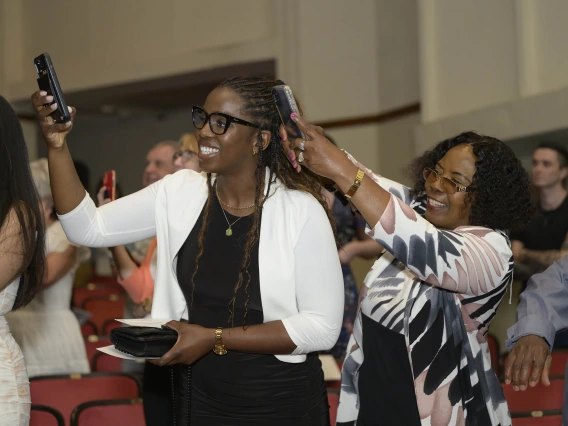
(256,94)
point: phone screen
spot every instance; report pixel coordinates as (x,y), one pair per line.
(109,182)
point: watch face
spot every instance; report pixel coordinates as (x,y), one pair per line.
(220,350)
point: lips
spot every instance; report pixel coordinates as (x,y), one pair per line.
(206,151)
(434,204)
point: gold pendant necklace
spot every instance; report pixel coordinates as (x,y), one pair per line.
(229,230)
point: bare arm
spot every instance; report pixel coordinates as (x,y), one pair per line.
(124,264)
(58,264)
(68,192)
(11,250)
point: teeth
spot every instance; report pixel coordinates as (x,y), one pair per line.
(435,203)
(208,150)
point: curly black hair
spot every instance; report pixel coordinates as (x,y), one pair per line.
(500,195)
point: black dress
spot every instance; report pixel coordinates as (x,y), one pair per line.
(241,388)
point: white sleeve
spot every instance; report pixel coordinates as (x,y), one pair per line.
(319,288)
(126,220)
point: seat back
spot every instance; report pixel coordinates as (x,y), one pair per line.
(105,363)
(538,398)
(89,329)
(80,294)
(538,418)
(333,401)
(65,392)
(41,415)
(109,413)
(91,345)
(559,359)
(104,308)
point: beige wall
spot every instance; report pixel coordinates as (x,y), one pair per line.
(497,67)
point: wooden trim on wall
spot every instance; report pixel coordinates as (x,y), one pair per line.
(383,117)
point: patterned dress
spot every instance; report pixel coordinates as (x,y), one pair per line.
(440,290)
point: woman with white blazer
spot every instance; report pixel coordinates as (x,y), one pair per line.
(246,254)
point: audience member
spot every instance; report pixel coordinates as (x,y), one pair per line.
(46,329)
(260,300)
(22,257)
(544,240)
(418,353)
(542,312)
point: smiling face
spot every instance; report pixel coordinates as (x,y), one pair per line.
(231,152)
(448,211)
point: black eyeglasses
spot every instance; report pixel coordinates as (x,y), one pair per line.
(218,122)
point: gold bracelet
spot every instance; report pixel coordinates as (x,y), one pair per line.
(356,184)
(219,347)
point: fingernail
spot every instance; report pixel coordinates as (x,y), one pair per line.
(43,93)
(53,106)
(294,115)
(67,124)
(70,109)
(283,137)
(291,156)
(294,164)
(49,98)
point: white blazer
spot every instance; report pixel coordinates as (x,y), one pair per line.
(301,282)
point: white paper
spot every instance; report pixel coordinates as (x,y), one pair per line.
(144,322)
(330,368)
(112,351)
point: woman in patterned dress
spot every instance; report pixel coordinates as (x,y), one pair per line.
(22,245)
(418,354)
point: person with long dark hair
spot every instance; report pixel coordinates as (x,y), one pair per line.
(246,252)
(22,259)
(418,353)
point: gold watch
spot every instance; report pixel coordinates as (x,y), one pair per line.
(356,184)
(219,347)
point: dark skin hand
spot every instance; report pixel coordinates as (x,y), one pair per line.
(528,361)
(195,341)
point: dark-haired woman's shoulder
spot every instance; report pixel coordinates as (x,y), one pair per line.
(12,243)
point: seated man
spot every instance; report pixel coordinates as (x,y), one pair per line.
(542,312)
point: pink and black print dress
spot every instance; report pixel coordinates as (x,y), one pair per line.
(425,306)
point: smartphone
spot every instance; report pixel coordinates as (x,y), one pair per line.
(109,182)
(48,82)
(286,105)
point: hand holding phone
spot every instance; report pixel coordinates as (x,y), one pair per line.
(286,105)
(48,82)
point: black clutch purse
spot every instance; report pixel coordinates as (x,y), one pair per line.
(144,342)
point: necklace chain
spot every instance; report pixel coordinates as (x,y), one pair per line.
(231,207)
(229,230)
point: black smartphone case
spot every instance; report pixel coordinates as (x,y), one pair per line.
(286,105)
(47,81)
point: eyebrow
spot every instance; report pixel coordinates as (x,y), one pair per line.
(455,173)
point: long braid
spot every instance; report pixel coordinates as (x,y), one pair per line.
(256,93)
(202,232)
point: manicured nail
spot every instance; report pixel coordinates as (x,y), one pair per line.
(70,109)
(49,98)
(43,93)
(294,164)
(294,115)
(291,156)
(67,124)
(53,106)
(283,137)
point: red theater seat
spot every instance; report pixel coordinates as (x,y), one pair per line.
(40,415)
(538,398)
(65,392)
(109,413)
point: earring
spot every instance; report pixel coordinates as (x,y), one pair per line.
(254,151)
